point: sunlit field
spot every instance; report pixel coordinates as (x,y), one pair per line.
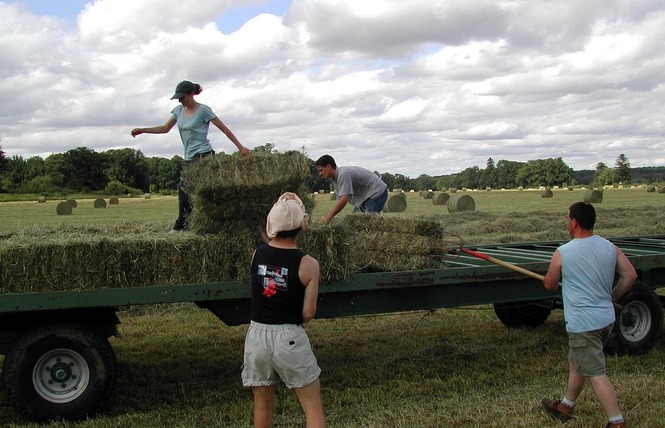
(180,367)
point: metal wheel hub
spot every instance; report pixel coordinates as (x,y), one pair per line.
(61,375)
(635,321)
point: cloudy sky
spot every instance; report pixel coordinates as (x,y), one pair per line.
(411,87)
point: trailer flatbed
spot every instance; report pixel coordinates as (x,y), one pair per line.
(59,364)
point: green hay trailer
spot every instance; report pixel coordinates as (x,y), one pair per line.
(59,363)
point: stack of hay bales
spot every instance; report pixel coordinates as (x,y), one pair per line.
(392,243)
(118,256)
(229,191)
(135,254)
(232,197)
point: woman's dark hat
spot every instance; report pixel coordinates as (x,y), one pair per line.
(184,88)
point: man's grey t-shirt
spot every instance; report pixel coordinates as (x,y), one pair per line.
(358,183)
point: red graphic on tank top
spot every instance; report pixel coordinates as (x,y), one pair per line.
(270,288)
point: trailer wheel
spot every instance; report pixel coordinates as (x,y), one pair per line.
(59,371)
(638,324)
(530,313)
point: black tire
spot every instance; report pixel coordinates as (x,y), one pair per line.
(59,371)
(530,313)
(638,324)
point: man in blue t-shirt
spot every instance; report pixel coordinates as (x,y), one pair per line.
(357,186)
(587,266)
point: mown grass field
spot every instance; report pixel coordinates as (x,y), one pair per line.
(180,366)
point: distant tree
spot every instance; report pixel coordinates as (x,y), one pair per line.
(15,172)
(424,182)
(446,182)
(265,148)
(544,172)
(389,179)
(600,167)
(469,178)
(403,182)
(53,166)
(506,173)
(84,169)
(129,167)
(316,183)
(35,167)
(622,168)
(489,175)
(164,173)
(605,177)
(3,159)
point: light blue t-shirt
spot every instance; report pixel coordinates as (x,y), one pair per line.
(194,130)
(358,183)
(587,276)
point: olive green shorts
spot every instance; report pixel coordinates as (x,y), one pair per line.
(585,350)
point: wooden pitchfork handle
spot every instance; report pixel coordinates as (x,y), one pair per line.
(503,263)
(515,268)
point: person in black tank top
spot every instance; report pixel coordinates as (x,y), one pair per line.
(284,289)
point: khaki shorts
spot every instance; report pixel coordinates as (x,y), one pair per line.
(274,352)
(585,350)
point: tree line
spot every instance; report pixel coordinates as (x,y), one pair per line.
(121,171)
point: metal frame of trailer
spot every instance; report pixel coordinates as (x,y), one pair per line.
(38,331)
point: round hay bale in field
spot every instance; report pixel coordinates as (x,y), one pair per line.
(429,194)
(100,203)
(72,202)
(114,200)
(570,187)
(593,196)
(332,196)
(458,203)
(547,193)
(661,189)
(63,208)
(651,189)
(440,198)
(146,196)
(41,199)
(396,203)
(452,190)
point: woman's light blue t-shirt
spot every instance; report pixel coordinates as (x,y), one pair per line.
(194,130)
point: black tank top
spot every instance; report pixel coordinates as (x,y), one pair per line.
(277,293)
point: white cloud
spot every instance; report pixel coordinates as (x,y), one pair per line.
(414,87)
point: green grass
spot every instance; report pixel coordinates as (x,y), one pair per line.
(180,367)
